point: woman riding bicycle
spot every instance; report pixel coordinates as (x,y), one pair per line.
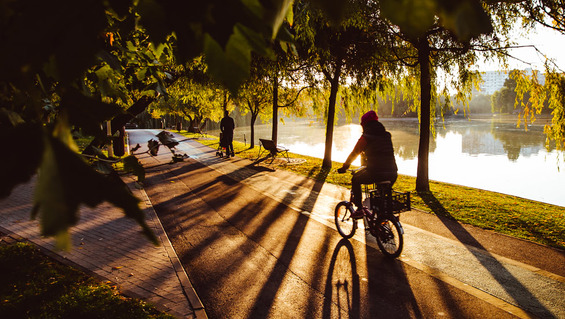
(376,143)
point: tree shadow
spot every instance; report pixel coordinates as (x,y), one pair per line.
(319,173)
(266,296)
(522,296)
(434,204)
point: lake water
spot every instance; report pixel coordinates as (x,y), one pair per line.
(484,154)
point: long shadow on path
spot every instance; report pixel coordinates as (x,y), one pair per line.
(513,287)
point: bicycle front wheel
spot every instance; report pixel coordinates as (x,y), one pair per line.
(345,224)
(389,237)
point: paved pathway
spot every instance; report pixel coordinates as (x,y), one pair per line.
(111,247)
(519,277)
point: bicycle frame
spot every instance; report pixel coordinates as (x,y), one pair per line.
(380,206)
(381,219)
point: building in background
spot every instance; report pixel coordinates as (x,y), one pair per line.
(494,80)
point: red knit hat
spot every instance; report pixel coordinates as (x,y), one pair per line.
(368,117)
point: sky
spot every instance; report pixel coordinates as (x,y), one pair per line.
(547,41)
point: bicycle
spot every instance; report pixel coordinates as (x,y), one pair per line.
(382,221)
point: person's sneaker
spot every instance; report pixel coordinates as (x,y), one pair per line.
(359,213)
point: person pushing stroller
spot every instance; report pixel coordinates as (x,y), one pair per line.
(227,125)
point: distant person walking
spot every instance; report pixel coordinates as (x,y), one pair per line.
(227,126)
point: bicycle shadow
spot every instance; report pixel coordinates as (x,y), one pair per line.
(342,282)
(377,289)
(523,297)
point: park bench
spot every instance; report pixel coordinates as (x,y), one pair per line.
(272,149)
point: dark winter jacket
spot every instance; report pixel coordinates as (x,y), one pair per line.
(376,144)
(227,126)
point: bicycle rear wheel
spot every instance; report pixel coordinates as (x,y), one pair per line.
(345,224)
(389,237)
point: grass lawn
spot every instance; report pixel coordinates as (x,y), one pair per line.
(514,216)
(32,285)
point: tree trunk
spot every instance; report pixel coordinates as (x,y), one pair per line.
(422,178)
(225,103)
(334,81)
(274,132)
(253,119)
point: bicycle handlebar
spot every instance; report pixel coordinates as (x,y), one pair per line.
(351,170)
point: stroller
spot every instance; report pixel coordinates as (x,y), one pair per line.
(222,147)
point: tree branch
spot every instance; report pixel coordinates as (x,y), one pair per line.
(296,97)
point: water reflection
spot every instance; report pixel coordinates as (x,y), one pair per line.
(483,154)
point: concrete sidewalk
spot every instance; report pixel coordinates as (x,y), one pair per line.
(112,248)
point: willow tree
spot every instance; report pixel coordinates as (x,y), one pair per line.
(284,73)
(192,101)
(194,96)
(533,96)
(339,51)
(446,37)
(256,96)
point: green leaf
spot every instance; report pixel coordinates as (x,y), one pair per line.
(275,13)
(334,9)
(111,60)
(290,16)
(103,73)
(413,17)
(466,18)
(66,181)
(103,167)
(98,152)
(153,17)
(62,131)
(130,46)
(231,66)
(255,6)
(285,35)
(52,201)
(132,164)
(254,39)
(141,74)
(158,49)
(87,113)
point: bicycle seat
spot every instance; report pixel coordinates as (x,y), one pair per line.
(383,188)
